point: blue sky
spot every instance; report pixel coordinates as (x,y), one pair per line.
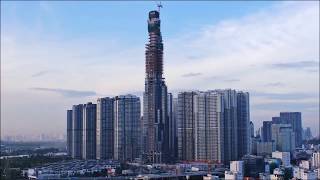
(55,54)
(122,20)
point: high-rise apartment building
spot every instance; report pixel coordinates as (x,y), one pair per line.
(203,127)
(77,131)
(105,131)
(293,118)
(209,126)
(69,132)
(89,131)
(175,116)
(186,126)
(230,125)
(243,119)
(155,96)
(126,127)
(172,105)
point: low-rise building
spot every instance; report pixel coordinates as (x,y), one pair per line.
(304,174)
(308,175)
(278,174)
(315,160)
(232,175)
(304,164)
(264,176)
(237,166)
(284,156)
(253,165)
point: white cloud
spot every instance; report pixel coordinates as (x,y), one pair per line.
(240,51)
(245,48)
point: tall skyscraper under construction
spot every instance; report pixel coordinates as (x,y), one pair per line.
(156,135)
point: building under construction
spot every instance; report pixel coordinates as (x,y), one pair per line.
(155,97)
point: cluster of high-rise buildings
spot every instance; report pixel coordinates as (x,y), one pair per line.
(283,133)
(109,129)
(212,126)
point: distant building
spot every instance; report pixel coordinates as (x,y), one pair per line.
(308,175)
(318,171)
(105,129)
(276,120)
(284,156)
(243,118)
(266,131)
(230,125)
(172,126)
(208,113)
(251,129)
(186,126)
(237,166)
(77,131)
(236,171)
(284,137)
(265,148)
(272,163)
(300,173)
(304,164)
(69,132)
(293,118)
(253,165)
(254,145)
(315,160)
(232,175)
(89,131)
(278,174)
(213,125)
(127,127)
(307,134)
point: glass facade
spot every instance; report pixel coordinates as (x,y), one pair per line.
(213,125)
(127,129)
(89,131)
(77,131)
(69,132)
(105,132)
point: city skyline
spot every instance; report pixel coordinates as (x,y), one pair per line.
(230,52)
